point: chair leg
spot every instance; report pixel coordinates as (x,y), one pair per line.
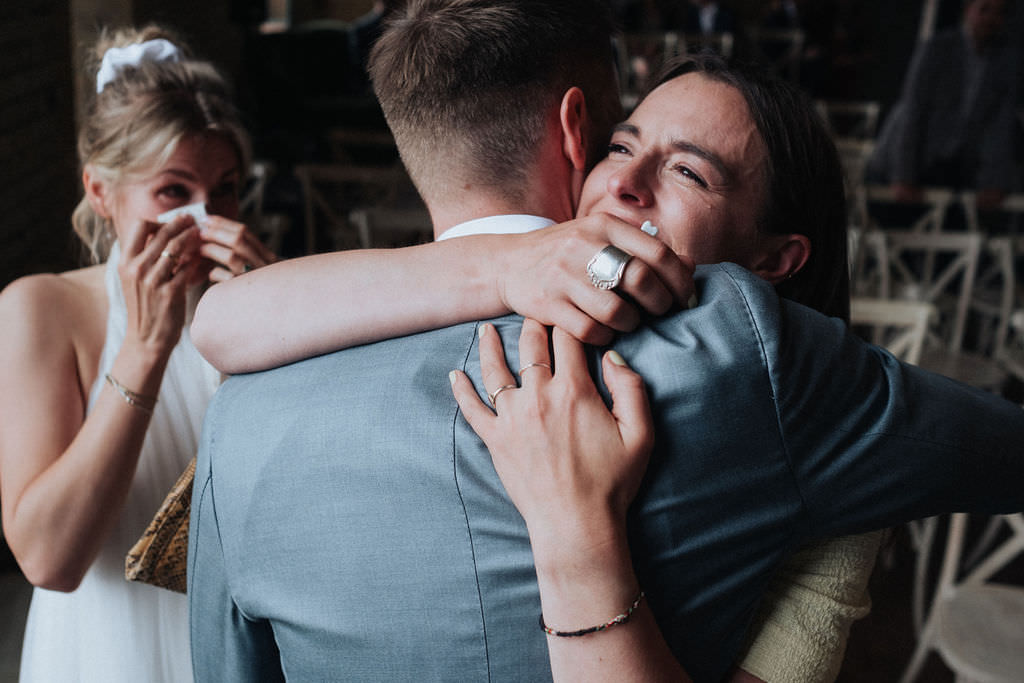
(984,543)
(921,651)
(923,545)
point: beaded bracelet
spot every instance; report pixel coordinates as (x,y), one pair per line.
(621,619)
(146,403)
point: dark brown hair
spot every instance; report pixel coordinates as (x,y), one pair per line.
(475,78)
(804,177)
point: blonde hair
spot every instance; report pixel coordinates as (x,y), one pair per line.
(139,118)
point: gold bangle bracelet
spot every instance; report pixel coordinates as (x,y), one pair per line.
(146,403)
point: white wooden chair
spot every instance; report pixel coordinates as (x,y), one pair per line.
(898,326)
(940,268)
(269,227)
(380,227)
(781,49)
(868,255)
(935,204)
(975,623)
(639,56)
(854,120)
(331,191)
(854,155)
(1011,353)
(995,294)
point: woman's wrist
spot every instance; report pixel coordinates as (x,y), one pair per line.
(585,584)
(140,370)
(584,548)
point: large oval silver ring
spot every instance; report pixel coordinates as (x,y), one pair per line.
(493,396)
(606,268)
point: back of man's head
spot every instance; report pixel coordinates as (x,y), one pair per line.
(466,85)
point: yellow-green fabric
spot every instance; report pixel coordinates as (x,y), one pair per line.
(799,633)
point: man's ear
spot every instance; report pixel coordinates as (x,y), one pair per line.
(785,256)
(575,125)
(97,192)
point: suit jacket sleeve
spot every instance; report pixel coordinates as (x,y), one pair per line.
(873,442)
(226,645)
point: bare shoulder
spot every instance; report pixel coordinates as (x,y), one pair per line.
(41,313)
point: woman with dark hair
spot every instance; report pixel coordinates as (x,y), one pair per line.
(805,191)
(802,198)
(733,194)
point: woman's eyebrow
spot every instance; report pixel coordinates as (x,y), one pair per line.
(188,175)
(627,128)
(684,146)
(705,154)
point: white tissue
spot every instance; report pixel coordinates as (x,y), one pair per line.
(197,211)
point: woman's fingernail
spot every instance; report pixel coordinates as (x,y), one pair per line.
(649,228)
(615,358)
(451,376)
(483,329)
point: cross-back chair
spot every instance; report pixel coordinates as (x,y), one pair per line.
(854,120)
(380,226)
(975,621)
(898,326)
(332,191)
(940,268)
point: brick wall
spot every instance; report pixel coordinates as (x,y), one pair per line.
(38,175)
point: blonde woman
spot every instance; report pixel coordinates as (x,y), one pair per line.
(104,392)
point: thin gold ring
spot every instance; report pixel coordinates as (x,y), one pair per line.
(497,391)
(537,364)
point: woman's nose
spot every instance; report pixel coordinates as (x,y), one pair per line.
(630,184)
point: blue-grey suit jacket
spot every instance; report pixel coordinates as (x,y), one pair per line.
(347,524)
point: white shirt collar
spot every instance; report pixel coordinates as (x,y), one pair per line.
(497,225)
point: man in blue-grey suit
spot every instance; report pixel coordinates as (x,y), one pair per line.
(347,524)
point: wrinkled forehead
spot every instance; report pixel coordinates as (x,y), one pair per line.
(698,106)
(705,113)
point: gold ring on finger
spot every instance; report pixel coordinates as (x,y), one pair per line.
(493,396)
(537,364)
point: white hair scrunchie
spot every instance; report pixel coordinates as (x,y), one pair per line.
(117,58)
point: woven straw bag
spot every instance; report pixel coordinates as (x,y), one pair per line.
(159,557)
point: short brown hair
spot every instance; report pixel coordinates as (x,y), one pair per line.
(475,79)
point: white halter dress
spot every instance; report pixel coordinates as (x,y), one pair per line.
(111,629)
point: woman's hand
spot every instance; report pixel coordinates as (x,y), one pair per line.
(157,264)
(544,277)
(231,249)
(572,467)
(563,457)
